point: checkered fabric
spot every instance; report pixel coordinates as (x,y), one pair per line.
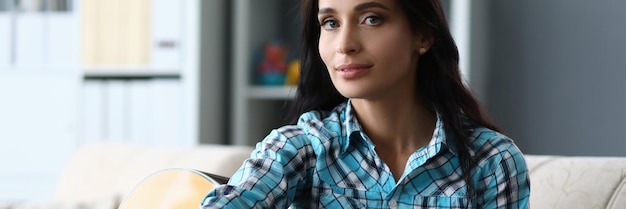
(327,161)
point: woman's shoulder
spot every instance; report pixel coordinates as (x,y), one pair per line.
(323,120)
(315,124)
(498,161)
(492,149)
(483,137)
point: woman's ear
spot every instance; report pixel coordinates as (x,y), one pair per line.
(422,50)
(423,41)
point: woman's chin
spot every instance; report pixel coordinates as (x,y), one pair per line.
(356,89)
(353,93)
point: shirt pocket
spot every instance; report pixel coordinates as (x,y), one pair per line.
(338,197)
(438,201)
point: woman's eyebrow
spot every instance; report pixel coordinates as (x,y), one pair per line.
(370,5)
(359,7)
(325,10)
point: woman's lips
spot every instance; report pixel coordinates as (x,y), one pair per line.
(352,71)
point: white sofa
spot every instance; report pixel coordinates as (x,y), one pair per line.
(99,175)
(577,182)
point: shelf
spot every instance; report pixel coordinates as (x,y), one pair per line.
(129,73)
(257,109)
(271,92)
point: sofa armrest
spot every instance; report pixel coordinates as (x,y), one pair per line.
(106,170)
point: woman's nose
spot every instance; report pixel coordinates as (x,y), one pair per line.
(348,41)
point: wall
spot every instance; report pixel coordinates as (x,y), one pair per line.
(555,72)
(214,38)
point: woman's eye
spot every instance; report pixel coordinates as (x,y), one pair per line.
(373,20)
(329,24)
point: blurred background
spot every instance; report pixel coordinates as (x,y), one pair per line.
(184,73)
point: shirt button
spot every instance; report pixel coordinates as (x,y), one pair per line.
(393,204)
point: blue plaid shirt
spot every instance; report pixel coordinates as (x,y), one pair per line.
(327,161)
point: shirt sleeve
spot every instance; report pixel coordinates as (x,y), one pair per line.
(509,185)
(276,169)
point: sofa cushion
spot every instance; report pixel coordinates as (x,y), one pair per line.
(101,170)
(618,200)
(576,182)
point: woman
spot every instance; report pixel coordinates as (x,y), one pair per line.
(384,121)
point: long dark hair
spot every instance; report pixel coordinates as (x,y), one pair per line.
(439,83)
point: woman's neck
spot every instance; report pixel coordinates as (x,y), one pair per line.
(397,128)
(396,124)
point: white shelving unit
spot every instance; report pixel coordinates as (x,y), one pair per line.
(45,120)
(39,86)
(258,109)
(147,70)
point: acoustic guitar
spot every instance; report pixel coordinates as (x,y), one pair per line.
(172,188)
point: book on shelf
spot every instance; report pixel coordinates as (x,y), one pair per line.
(132,33)
(29,5)
(136,31)
(34,36)
(116,110)
(137,111)
(115,32)
(36,6)
(58,5)
(89,32)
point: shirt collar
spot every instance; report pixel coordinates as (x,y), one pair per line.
(353,131)
(440,139)
(351,126)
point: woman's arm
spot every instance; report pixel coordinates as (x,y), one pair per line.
(271,176)
(508,186)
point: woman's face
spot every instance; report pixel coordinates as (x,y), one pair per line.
(368,47)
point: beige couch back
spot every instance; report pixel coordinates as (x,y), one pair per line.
(108,170)
(577,182)
(103,171)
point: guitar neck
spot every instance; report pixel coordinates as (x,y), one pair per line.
(219,179)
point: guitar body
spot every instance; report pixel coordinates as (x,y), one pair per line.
(172,188)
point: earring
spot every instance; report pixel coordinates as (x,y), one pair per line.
(422,51)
